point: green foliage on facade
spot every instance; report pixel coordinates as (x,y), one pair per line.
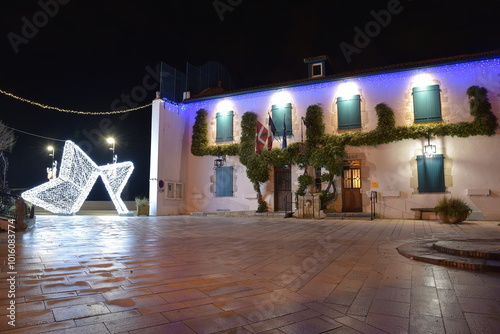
(328,151)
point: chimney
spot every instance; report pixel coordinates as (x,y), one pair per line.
(316,66)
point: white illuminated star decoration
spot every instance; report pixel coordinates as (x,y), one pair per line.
(78,174)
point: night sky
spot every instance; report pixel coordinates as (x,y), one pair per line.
(103,55)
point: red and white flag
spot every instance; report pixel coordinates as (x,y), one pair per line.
(261,136)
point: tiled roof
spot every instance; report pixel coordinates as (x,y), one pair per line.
(357,73)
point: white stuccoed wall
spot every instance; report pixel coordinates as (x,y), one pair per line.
(470,163)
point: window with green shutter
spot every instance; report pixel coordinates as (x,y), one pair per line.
(224,126)
(280,113)
(430,173)
(349,112)
(427,104)
(224,181)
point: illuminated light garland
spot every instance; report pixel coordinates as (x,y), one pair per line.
(78,174)
(70,110)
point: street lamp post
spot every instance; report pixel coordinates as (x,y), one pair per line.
(111,141)
(52,170)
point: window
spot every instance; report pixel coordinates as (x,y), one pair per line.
(427,103)
(430,173)
(174,190)
(224,181)
(317,179)
(317,70)
(224,126)
(280,114)
(349,112)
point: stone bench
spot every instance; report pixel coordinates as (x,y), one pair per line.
(418,212)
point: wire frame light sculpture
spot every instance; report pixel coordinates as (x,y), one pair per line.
(78,174)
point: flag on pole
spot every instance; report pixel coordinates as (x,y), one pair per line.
(261,138)
(283,141)
(272,134)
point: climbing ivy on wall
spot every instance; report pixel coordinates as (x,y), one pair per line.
(327,151)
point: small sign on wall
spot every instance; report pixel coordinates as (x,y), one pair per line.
(374,184)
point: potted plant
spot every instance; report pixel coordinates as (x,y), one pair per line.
(142,204)
(452,210)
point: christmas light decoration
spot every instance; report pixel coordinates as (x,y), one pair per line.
(44,106)
(78,174)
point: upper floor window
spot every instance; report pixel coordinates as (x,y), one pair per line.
(427,103)
(224,126)
(349,112)
(282,118)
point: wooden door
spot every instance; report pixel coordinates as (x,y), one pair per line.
(351,187)
(283,189)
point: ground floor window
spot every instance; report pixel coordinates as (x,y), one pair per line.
(430,173)
(224,181)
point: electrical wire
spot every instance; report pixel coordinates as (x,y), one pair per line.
(34,135)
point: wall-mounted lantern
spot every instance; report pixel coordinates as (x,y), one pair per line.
(221,159)
(429,149)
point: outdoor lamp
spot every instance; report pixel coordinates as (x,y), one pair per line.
(429,149)
(111,141)
(221,159)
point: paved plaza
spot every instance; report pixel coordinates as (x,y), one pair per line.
(183,274)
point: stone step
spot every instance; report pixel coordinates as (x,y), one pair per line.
(239,214)
(480,254)
(348,215)
(486,249)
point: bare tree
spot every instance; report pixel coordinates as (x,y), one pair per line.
(7,141)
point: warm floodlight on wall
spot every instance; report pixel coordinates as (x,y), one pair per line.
(347,89)
(281,98)
(224,106)
(422,79)
(429,149)
(66,194)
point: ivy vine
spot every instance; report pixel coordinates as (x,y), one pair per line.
(327,151)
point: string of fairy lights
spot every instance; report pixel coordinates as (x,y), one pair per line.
(44,106)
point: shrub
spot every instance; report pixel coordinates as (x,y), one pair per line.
(453,207)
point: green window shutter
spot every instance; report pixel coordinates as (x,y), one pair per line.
(278,114)
(224,181)
(349,112)
(427,103)
(224,126)
(430,173)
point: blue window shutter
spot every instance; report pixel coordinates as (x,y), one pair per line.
(224,181)
(224,126)
(427,103)
(278,114)
(430,173)
(349,112)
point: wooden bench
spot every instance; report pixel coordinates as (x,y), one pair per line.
(418,212)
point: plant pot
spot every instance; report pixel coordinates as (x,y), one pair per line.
(452,219)
(143,210)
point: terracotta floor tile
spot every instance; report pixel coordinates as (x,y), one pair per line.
(310,326)
(182,295)
(177,328)
(136,302)
(136,323)
(107,317)
(79,311)
(191,312)
(216,322)
(185,274)
(387,307)
(88,329)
